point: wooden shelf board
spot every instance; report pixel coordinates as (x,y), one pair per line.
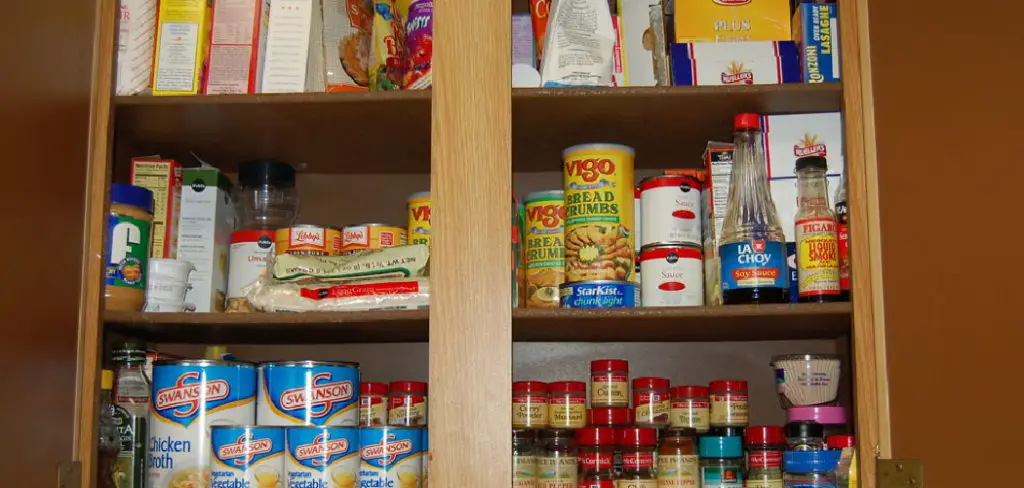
(684,324)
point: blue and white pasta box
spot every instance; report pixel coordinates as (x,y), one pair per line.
(734,63)
(816,32)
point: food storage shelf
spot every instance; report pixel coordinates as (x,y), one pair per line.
(681,324)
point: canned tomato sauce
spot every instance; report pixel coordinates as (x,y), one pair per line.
(670,207)
(247,456)
(599,216)
(391,457)
(322,457)
(371,237)
(308,393)
(419,218)
(545,248)
(308,240)
(673,275)
(188,398)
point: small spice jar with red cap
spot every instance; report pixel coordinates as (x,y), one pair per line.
(651,402)
(841,441)
(616,418)
(567,404)
(609,383)
(407,404)
(638,445)
(764,445)
(529,405)
(373,404)
(595,457)
(730,405)
(691,408)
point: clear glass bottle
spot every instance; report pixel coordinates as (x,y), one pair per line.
(109,442)
(817,262)
(265,198)
(678,463)
(846,472)
(524,458)
(721,462)
(638,445)
(805,436)
(843,239)
(809,469)
(753,246)
(556,460)
(764,447)
(595,457)
(131,406)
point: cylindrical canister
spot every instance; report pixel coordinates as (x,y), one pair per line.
(673,276)
(247,456)
(670,208)
(322,456)
(308,393)
(391,456)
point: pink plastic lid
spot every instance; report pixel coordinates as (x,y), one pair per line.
(821,415)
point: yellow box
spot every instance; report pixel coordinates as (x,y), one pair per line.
(732,20)
(182,41)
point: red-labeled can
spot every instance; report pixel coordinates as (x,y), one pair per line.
(529,405)
(373,404)
(609,383)
(673,276)
(651,402)
(407,404)
(670,208)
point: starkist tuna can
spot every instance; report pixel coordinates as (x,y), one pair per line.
(391,457)
(673,275)
(308,393)
(246,456)
(188,398)
(322,457)
(599,294)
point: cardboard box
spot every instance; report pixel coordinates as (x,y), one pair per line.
(347,29)
(734,63)
(182,39)
(788,137)
(235,46)
(163,178)
(294,56)
(136,33)
(816,32)
(718,171)
(731,20)
(635,43)
(524,49)
(207,220)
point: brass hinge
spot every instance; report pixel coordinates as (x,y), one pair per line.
(900,473)
(69,474)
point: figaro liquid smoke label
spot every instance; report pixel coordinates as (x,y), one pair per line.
(322,457)
(247,457)
(817,257)
(390,457)
(753,264)
(308,393)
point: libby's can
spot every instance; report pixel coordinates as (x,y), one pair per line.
(188,398)
(545,248)
(322,457)
(391,456)
(670,208)
(308,393)
(419,218)
(246,456)
(371,237)
(308,240)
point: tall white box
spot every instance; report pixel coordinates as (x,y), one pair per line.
(204,235)
(293,61)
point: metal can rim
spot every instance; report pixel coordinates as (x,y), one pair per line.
(597,282)
(543,195)
(202,362)
(699,184)
(418,195)
(248,426)
(373,224)
(599,145)
(310,363)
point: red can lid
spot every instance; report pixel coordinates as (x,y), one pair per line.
(595,436)
(637,436)
(729,385)
(408,387)
(765,434)
(609,416)
(567,387)
(530,386)
(840,441)
(371,388)
(690,391)
(651,382)
(747,121)
(609,365)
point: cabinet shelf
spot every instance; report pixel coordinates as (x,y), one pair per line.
(683,324)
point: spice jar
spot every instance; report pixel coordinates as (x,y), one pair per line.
(729,403)
(609,383)
(805,436)
(764,445)
(529,405)
(595,457)
(524,458)
(638,446)
(651,402)
(678,463)
(616,418)
(407,404)
(690,408)
(832,419)
(556,459)
(809,469)
(373,408)
(567,404)
(129,237)
(721,462)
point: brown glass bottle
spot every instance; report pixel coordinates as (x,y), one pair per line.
(678,463)
(595,457)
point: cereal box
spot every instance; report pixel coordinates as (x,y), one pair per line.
(235,46)
(136,32)
(294,58)
(205,225)
(163,178)
(734,63)
(523,49)
(348,26)
(386,66)
(419,45)
(182,39)
(816,31)
(636,43)
(731,20)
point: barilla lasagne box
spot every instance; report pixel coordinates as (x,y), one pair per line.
(136,33)
(294,58)
(235,46)
(204,235)
(731,20)
(163,178)
(347,30)
(734,63)
(816,32)
(182,39)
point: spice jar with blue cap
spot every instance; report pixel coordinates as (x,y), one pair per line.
(721,462)
(810,469)
(129,237)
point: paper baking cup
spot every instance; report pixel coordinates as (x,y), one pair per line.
(166,290)
(806,379)
(174,269)
(167,307)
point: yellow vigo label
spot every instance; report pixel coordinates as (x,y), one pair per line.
(598,212)
(732,20)
(419,218)
(545,248)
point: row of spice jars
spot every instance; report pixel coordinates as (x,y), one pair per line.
(400,403)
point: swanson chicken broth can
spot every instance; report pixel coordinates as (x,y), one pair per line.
(545,248)
(419,218)
(308,240)
(391,457)
(673,275)
(322,457)
(670,207)
(188,398)
(371,237)
(308,393)
(247,457)
(599,231)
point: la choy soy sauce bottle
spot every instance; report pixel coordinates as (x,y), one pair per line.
(753,246)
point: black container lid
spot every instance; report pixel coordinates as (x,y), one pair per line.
(805,430)
(811,162)
(266,172)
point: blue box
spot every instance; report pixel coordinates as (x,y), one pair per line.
(816,31)
(794,279)
(735,63)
